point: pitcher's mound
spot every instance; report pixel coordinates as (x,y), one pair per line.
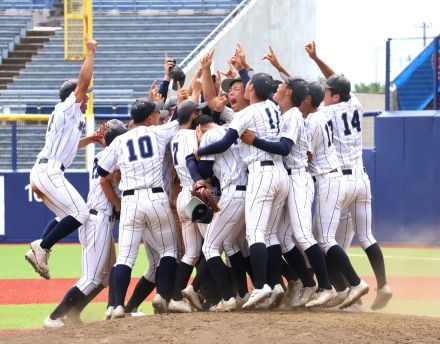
(245,327)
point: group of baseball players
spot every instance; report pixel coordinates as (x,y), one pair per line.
(269,151)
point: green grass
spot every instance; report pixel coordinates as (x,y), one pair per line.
(32,316)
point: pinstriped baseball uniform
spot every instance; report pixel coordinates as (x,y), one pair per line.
(297,214)
(64,130)
(227,114)
(228,224)
(139,155)
(347,119)
(183,144)
(267,187)
(96,235)
(330,186)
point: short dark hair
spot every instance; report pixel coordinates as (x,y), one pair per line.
(202,120)
(316,92)
(343,97)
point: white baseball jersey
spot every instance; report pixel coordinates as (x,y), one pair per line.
(319,130)
(64,130)
(347,121)
(292,127)
(227,114)
(183,144)
(263,118)
(96,199)
(139,155)
(228,166)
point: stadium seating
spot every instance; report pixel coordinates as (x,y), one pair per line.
(25,4)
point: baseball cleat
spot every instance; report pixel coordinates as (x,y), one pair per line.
(356,292)
(225,306)
(293,288)
(383,296)
(356,307)
(108,313)
(242,300)
(302,296)
(159,304)
(340,297)
(50,323)
(118,312)
(193,297)
(258,296)
(38,259)
(276,296)
(321,297)
(181,306)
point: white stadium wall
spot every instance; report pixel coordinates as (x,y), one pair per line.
(286,25)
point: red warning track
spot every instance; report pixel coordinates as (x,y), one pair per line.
(36,291)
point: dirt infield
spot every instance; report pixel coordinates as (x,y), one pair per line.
(249,327)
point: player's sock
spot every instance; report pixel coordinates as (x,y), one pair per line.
(166,276)
(319,267)
(339,258)
(183,274)
(122,275)
(274,258)
(375,256)
(143,288)
(296,259)
(288,272)
(66,226)
(248,267)
(49,227)
(258,254)
(239,271)
(75,313)
(111,289)
(335,276)
(202,271)
(72,298)
(220,273)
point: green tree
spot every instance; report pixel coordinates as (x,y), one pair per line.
(373,87)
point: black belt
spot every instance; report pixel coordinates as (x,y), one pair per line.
(332,171)
(95,212)
(240,188)
(289,170)
(350,171)
(267,163)
(45,161)
(131,192)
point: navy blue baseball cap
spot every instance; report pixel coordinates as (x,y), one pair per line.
(339,83)
(298,86)
(264,85)
(142,108)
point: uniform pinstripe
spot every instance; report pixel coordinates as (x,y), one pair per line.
(183,144)
(64,130)
(228,223)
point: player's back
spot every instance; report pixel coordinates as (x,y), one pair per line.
(347,131)
(292,127)
(64,130)
(319,131)
(263,118)
(140,154)
(183,144)
(228,167)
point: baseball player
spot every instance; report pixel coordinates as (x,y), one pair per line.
(63,138)
(264,200)
(183,144)
(227,224)
(145,209)
(95,237)
(297,214)
(346,114)
(330,190)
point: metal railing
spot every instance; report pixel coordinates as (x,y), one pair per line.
(213,33)
(412,75)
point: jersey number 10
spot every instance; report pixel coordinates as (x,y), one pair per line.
(145,148)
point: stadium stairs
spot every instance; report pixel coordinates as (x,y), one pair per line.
(415,83)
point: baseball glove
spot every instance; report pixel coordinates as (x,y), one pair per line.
(204,192)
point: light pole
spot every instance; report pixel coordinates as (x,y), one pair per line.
(424,26)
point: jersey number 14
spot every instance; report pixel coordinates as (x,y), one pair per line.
(355,123)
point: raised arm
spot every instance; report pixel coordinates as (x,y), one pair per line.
(208,87)
(272,58)
(325,69)
(86,73)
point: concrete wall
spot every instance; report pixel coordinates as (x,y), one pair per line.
(372,101)
(286,25)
